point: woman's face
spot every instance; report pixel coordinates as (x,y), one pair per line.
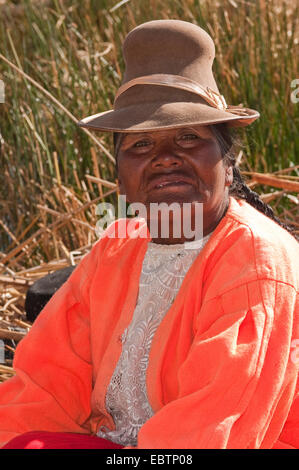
(179,165)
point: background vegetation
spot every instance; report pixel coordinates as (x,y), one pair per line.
(61,60)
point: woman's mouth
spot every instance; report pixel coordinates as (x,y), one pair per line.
(170,181)
(171,184)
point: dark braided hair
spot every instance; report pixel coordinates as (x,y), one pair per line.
(238,188)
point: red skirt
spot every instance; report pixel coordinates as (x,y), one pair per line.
(59,440)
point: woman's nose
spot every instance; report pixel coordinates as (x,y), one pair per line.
(166,157)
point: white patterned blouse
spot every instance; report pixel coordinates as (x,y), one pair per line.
(163,270)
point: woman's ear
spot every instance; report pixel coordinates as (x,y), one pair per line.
(229,176)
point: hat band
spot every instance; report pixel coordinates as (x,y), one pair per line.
(176,81)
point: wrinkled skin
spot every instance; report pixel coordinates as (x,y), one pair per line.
(192,155)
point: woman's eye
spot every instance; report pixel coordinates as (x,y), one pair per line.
(188,140)
(141,143)
(189,137)
(139,146)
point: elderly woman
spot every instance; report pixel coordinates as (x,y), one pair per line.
(168,342)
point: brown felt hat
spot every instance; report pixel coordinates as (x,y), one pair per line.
(168,83)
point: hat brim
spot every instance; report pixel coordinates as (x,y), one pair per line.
(154,116)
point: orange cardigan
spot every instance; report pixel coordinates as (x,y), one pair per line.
(223,365)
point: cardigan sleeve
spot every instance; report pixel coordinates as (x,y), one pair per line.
(52,384)
(237,383)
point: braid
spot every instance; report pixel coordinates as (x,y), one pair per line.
(239,188)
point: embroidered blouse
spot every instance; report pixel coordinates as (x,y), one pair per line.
(163,270)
